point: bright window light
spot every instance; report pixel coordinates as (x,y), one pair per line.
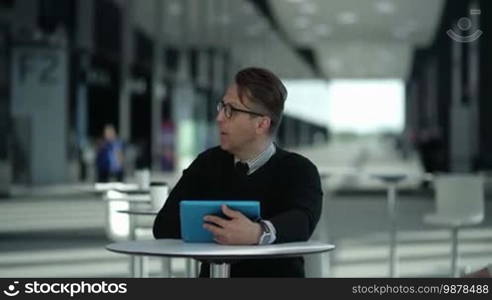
(348,106)
(366,106)
(307,100)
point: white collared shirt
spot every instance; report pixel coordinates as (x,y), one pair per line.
(254,164)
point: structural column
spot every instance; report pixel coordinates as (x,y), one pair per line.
(464,95)
(5,120)
(84,42)
(125,77)
(157,84)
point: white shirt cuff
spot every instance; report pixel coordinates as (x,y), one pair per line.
(272,230)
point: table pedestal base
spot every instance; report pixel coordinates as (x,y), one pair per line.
(219,270)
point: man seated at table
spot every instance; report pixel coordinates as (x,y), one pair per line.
(249,166)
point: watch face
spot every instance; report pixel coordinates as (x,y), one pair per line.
(265,237)
(265,227)
(262,239)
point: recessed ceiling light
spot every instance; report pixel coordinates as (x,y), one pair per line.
(334,64)
(224,20)
(385,55)
(385,7)
(251,31)
(401,33)
(322,30)
(404,31)
(307,38)
(247,8)
(255,30)
(347,18)
(301,22)
(411,24)
(174,9)
(308,8)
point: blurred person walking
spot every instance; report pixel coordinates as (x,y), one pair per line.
(109,158)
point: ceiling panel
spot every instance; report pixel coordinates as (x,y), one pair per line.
(310,21)
(360,38)
(364,59)
(274,55)
(233,24)
(351,38)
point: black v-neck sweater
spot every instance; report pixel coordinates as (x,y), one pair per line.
(287,186)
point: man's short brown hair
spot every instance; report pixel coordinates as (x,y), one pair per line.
(264,89)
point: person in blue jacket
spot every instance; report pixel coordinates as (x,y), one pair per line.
(109,158)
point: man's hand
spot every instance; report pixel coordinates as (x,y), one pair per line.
(238,231)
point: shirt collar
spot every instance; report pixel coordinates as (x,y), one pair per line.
(256,162)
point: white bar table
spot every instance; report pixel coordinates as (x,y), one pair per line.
(192,268)
(140,264)
(131,197)
(106,186)
(391,181)
(219,256)
(137,196)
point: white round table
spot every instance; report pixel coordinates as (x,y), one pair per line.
(219,256)
(139,264)
(117,201)
(392,181)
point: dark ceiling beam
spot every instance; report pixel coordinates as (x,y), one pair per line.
(305,54)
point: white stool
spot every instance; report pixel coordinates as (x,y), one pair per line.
(459,203)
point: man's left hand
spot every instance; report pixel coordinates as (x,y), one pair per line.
(239,230)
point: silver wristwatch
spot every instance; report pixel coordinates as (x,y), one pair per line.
(266,235)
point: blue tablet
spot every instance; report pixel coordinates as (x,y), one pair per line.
(191,215)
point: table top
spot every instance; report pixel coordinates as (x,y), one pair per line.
(106,186)
(390,178)
(134,191)
(381,175)
(142,212)
(103,187)
(213,251)
(113,195)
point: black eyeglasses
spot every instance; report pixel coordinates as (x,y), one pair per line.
(229,110)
